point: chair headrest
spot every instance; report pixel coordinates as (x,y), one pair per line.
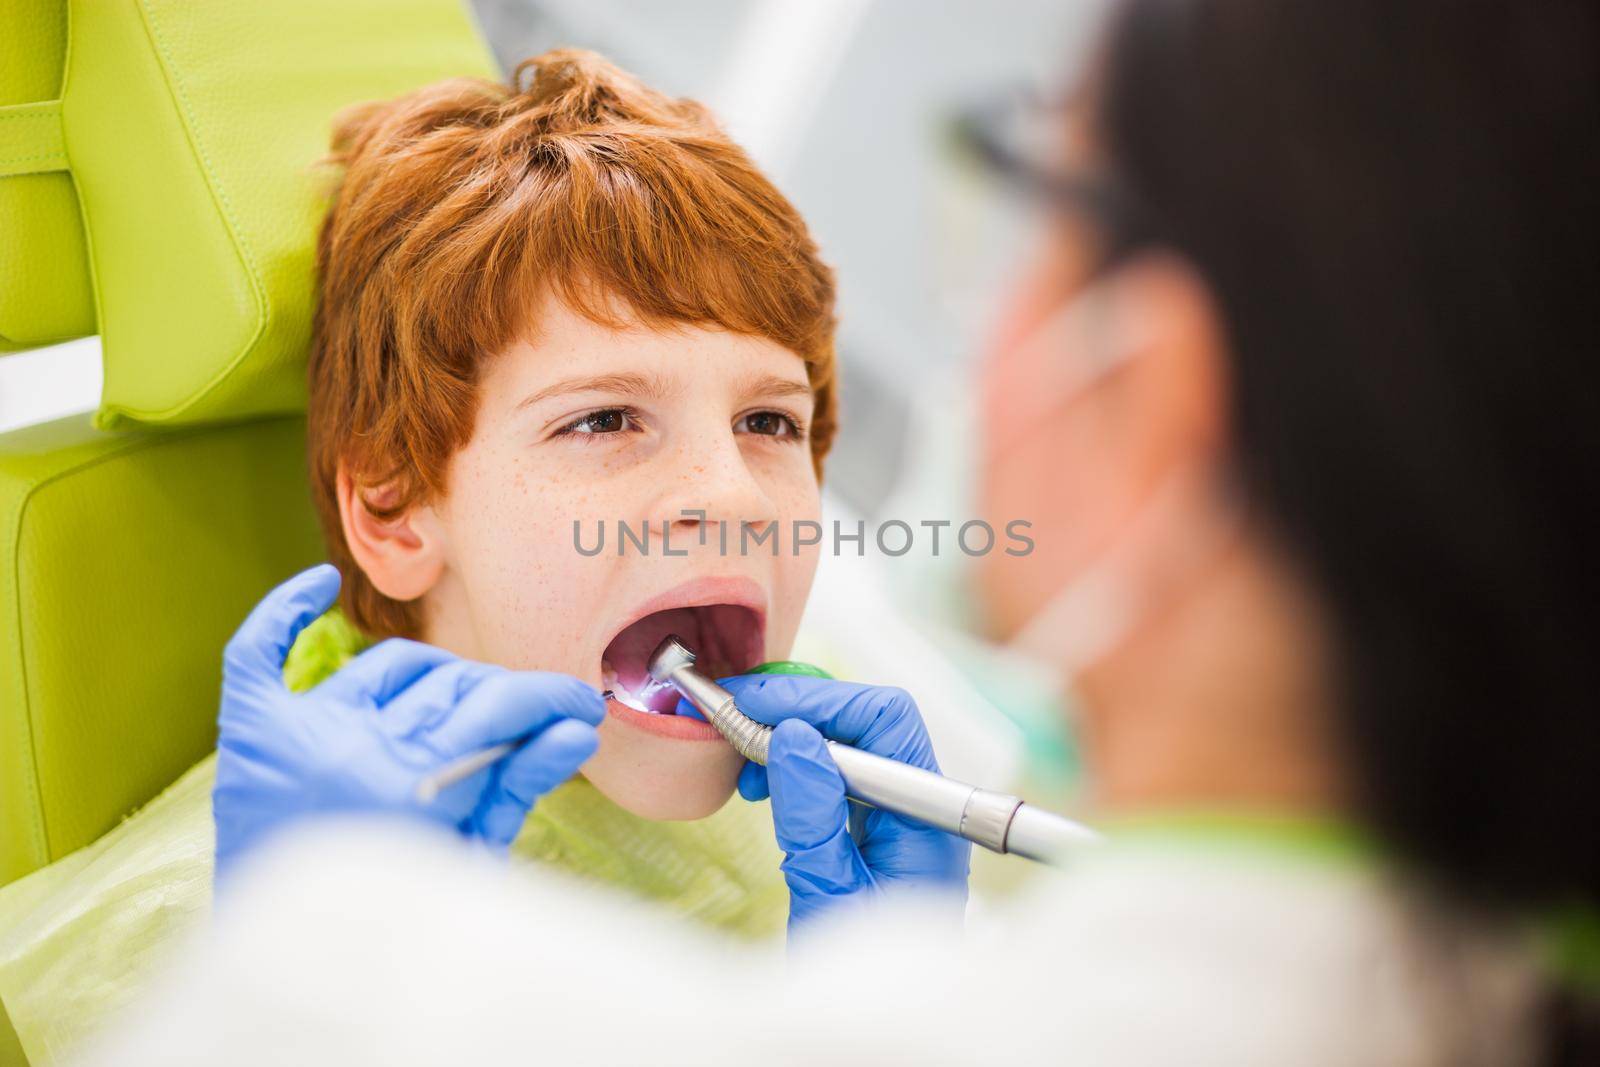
(191,133)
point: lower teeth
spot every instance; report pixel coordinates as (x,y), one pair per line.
(627,699)
(608,677)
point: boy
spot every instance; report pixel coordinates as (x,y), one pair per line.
(566,300)
(548,309)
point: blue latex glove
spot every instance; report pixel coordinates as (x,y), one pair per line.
(363,739)
(825,862)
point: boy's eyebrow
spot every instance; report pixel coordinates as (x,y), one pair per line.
(644,385)
(656,386)
(772,386)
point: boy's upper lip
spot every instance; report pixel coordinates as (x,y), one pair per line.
(699,592)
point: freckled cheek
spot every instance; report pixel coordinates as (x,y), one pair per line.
(796,494)
(530,591)
(799,500)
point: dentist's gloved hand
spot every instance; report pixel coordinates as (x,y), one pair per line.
(363,739)
(825,863)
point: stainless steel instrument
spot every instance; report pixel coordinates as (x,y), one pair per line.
(997,821)
(465,767)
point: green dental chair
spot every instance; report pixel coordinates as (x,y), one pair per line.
(159,186)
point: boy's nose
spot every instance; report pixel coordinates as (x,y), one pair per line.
(711,482)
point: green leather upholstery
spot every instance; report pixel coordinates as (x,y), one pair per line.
(215,211)
(128,561)
(45,293)
(191,132)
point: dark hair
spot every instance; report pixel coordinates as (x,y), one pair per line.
(1397,207)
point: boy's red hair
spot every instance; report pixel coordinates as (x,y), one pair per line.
(463,203)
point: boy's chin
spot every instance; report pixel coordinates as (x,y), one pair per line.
(663,778)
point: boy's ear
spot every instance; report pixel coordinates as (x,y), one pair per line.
(402,557)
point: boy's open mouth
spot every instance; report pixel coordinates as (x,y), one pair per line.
(726,638)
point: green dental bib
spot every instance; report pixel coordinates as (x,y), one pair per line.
(81,938)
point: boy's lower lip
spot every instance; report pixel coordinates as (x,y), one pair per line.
(677,727)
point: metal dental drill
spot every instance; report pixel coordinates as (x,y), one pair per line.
(997,821)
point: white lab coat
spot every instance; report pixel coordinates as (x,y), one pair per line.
(362,945)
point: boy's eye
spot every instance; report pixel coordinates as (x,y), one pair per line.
(767,424)
(606,420)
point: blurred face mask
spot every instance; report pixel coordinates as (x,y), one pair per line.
(1089,616)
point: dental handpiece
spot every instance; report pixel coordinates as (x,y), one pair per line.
(997,821)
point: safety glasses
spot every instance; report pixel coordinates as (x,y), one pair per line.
(1026,141)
